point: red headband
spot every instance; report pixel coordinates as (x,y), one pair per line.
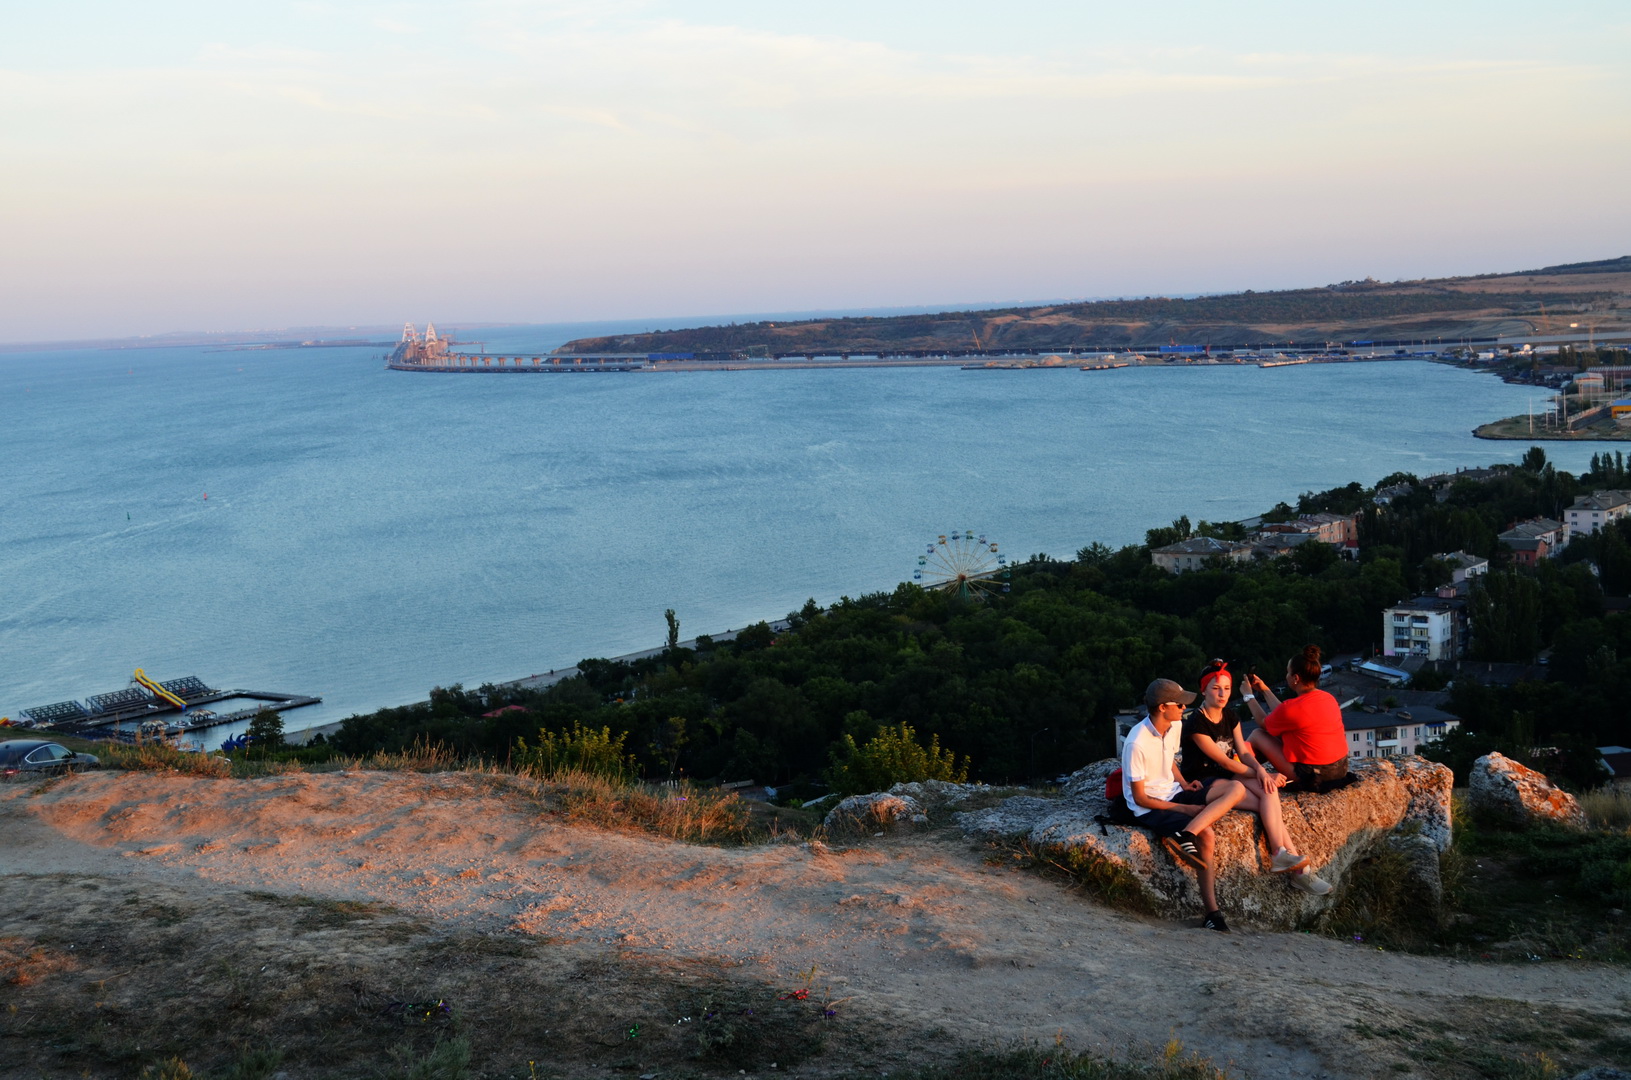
(1213,674)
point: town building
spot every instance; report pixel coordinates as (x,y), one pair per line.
(1441,483)
(1194,553)
(1617,762)
(1385,495)
(1433,627)
(1463,567)
(1125,721)
(1535,539)
(1395,733)
(1620,410)
(1339,530)
(1591,512)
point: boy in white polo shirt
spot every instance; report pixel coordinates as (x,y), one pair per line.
(1179,811)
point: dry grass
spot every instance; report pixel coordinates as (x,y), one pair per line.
(161,757)
(1099,877)
(679,813)
(683,812)
(23,962)
(1608,808)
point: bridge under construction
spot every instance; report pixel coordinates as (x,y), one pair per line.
(431,352)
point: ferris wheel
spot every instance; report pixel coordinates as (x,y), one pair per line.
(963,563)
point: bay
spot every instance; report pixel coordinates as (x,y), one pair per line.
(370,534)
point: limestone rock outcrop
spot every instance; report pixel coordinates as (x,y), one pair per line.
(912,802)
(878,808)
(1502,786)
(1405,799)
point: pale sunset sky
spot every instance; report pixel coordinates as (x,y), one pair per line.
(179,165)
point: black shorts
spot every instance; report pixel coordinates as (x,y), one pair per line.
(1165,822)
(1319,778)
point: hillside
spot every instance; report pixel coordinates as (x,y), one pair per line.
(352,922)
(1539,301)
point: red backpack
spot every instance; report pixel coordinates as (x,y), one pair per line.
(1116,810)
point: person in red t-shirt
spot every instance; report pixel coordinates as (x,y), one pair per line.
(1302,738)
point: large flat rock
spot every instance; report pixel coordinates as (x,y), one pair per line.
(1392,798)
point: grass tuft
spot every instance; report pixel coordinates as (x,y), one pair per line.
(150,756)
(682,812)
(1094,874)
(1608,808)
(23,963)
(449,1059)
(1383,903)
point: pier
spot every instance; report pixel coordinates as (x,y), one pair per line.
(100,716)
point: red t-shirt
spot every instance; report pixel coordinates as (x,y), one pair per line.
(1309,727)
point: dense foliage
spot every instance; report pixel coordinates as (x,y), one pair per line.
(1024,685)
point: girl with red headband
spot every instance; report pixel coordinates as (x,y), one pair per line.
(1214,748)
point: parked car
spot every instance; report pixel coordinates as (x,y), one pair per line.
(19,756)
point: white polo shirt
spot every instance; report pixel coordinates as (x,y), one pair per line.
(1147,755)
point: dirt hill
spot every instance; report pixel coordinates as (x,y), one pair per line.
(357,922)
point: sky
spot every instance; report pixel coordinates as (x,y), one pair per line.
(177,165)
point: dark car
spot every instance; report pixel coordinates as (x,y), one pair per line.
(39,756)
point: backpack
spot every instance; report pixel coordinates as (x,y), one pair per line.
(1116,811)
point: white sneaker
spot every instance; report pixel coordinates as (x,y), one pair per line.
(1285,860)
(1310,882)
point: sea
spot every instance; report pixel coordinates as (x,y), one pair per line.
(307,521)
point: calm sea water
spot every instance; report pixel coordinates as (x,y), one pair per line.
(369,534)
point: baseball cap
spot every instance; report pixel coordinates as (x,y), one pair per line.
(1164,690)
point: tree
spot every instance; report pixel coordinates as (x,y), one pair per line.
(1506,617)
(673,628)
(266,730)
(1178,530)
(1534,460)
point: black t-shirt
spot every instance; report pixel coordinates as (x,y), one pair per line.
(1197,765)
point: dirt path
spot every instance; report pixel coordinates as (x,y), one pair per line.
(926,929)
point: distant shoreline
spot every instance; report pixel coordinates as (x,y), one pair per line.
(1518,429)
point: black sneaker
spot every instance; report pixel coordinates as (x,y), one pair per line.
(1182,846)
(1214,921)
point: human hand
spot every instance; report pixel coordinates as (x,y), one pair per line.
(1190,785)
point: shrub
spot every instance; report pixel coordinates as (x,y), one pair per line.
(893,756)
(582,750)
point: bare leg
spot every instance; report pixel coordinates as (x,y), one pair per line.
(1206,877)
(1266,805)
(1221,798)
(1269,749)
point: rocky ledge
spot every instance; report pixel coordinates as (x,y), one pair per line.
(1404,802)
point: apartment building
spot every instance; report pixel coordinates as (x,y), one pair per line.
(1433,627)
(1591,512)
(1192,554)
(1395,733)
